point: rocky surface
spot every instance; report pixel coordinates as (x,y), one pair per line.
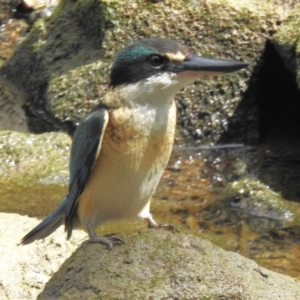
(34,171)
(254,202)
(67,58)
(286,41)
(153,264)
(161,265)
(34,157)
(64,79)
(26,269)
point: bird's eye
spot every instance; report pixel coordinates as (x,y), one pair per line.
(235,201)
(156,61)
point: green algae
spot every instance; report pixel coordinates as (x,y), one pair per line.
(84,32)
(29,159)
(257,199)
(288,33)
(287,40)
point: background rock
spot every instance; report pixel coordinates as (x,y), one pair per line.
(34,172)
(64,78)
(67,59)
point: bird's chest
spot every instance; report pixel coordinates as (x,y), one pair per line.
(141,135)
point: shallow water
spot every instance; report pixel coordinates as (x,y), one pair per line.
(195,195)
(218,194)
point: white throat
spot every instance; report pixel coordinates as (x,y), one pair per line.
(158,90)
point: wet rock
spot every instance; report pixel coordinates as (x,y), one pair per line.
(12,115)
(6,9)
(11,35)
(254,203)
(246,215)
(257,199)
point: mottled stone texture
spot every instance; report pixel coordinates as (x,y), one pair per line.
(61,69)
(26,269)
(160,265)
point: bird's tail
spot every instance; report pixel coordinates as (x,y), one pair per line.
(46,227)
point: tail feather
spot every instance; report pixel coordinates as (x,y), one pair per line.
(46,227)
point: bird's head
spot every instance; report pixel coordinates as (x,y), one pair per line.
(158,65)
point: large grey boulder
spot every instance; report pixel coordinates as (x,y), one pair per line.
(156,264)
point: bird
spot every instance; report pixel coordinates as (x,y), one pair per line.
(121,148)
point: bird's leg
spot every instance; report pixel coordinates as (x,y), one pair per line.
(153,224)
(107,240)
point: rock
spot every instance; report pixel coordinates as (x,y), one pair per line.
(38,4)
(12,115)
(277,81)
(26,269)
(156,264)
(286,41)
(153,264)
(262,208)
(64,78)
(44,13)
(39,158)
(254,198)
(34,172)
(11,33)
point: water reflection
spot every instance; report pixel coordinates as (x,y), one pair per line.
(215,191)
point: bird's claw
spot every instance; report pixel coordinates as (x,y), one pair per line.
(114,238)
(109,240)
(168,227)
(164,226)
(153,224)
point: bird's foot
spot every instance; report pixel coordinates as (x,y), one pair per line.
(153,224)
(109,239)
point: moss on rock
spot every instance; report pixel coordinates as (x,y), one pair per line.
(162,265)
(84,32)
(287,42)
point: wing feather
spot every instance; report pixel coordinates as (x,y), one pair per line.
(84,152)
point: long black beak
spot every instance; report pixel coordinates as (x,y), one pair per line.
(202,66)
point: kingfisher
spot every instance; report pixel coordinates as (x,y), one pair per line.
(121,148)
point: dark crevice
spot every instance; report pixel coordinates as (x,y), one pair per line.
(268,117)
(270,108)
(278,98)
